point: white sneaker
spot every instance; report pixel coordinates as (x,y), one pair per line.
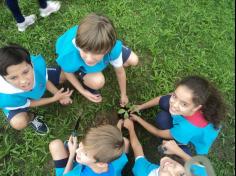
(29,20)
(52,7)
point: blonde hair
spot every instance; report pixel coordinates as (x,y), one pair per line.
(96,34)
(104,142)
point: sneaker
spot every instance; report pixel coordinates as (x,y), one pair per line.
(39,126)
(52,7)
(29,20)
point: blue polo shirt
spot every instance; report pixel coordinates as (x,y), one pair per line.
(70,60)
(201,137)
(14,98)
(114,169)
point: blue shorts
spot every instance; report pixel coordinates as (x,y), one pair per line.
(53,76)
(142,167)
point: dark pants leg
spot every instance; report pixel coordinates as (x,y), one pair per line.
(42,4)
(15,10)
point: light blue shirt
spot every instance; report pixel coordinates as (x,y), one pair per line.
(15,98)
(70,60)
(115,169)
(202,138)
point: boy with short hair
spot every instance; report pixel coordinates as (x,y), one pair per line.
(101,152)
(24,79)
(84,51)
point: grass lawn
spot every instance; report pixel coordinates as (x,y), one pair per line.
(172,39)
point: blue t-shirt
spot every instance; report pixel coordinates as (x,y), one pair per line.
(184,132)
(69,58)
(14,99)
(114,169)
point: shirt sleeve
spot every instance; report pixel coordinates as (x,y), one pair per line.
(117,62)
(182,133)
(120,163)
(116,50)
(76,171)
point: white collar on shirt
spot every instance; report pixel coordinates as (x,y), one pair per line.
(7,88)
(73,41)
(154,172)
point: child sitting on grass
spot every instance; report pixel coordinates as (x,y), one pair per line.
(84,51)
(101,152)
(24,79)
(191,114)
(168,166)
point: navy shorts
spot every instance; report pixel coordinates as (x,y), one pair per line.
(53,76)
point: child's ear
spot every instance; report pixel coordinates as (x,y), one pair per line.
(102,165)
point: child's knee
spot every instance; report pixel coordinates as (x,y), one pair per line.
(95,81)
(163,120)
(55,144)
(62,78)
(20,121)
(132,60)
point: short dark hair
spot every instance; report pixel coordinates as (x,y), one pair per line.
(12,54)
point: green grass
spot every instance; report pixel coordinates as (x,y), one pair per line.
(172,39)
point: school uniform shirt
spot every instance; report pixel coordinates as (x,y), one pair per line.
(142,167)
(114,169)
(13,98)
(70,60)
(194,130)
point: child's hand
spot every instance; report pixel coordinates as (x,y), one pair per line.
(136,108)
(134,117)
(72,145)
(172,147)
(61,95)
(124,100)
(92,97)
(120,123)
(128,124)
(65,101)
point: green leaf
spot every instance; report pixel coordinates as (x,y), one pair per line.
(121,111)
(126,115)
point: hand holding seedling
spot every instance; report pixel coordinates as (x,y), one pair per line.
(134,117)
(72,144)
(126,111)
(135,108)
(129,124)
(124,100)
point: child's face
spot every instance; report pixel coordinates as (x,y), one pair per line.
(20,76)
(169,167)
(84,157)
(181,102)
(89,58)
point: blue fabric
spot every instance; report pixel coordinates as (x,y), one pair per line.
(115,169)
(142,167)
(69,58)
(54,75)
(20,99)
(184,132)
(10,114)
(198,170)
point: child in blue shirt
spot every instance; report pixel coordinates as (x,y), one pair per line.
(84,51)
(191,114)
(100,153)
(167,166)
(24,79)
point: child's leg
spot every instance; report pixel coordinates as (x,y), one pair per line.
(164,120)
(42,4)
(20,120)
(94,80)
(129,57)
(15,10)
(58,150)
(56,75)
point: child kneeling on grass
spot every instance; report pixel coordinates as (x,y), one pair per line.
(168,166)
(24,79)
(191,114)
(101,152)
(84,51)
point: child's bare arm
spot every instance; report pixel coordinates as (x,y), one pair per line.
(136,146)
(121,77)
(150,128)
(153,102)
